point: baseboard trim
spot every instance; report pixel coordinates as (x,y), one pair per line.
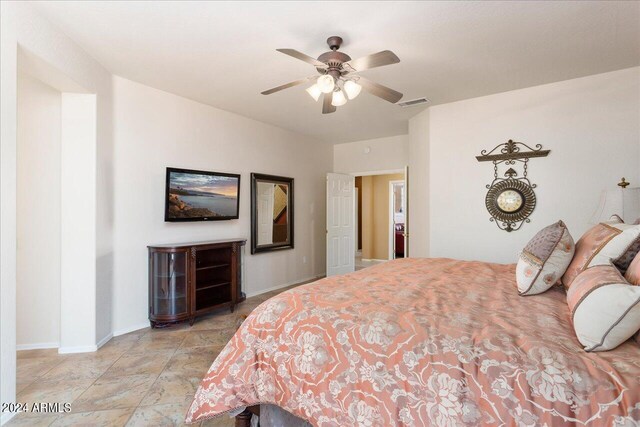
(275,288)
(4,418)
(374,259)
(78,349)
(37,346)
(131,329)
(104,340)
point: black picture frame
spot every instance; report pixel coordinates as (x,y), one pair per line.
(255,178)
(167,218)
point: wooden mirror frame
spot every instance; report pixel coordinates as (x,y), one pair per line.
(255,177)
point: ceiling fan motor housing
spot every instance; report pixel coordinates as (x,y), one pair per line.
(334,60)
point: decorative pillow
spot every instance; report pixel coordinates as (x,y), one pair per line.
(608,242)
(605,308)
(633,272)
(545,259)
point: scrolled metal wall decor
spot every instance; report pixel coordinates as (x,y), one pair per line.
(511,200)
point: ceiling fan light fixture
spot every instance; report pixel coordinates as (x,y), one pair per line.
(352,89)
(314,91)
(326,83)
(338,99)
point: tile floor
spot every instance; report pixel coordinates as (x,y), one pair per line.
(360,263)
(144,378)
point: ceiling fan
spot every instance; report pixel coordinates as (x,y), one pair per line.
(338,79)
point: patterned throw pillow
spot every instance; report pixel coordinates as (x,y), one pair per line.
(608,242)
(605,308)
(633,272)
(545,259)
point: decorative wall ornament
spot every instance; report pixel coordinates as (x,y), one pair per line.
(511,200)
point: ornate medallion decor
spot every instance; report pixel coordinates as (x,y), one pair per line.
(510,200)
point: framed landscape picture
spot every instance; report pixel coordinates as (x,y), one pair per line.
(193,195)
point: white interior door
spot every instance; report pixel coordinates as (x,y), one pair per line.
(265,213)
(340,224)
(405,209)
(355,220)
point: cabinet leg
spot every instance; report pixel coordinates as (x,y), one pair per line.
(191,321)
(233,307)
(243,419)
(153,324)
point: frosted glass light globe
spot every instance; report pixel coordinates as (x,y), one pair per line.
(314,91)
(326,83)
(352,89)
(338,99)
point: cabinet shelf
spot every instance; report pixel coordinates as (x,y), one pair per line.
(210,267)
(211,286)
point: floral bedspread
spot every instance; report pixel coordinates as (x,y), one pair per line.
(421,342)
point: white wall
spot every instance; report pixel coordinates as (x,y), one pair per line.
(592,127)
(38,214)
(386,154)
(154,130)
(78,222)
(21,25)
(419,196)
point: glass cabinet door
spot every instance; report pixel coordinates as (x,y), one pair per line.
(169,283)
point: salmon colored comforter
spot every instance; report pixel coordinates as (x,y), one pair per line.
(421,342)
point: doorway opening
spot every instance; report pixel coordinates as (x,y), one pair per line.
(379,218)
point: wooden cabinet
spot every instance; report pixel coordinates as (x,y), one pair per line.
(190,279)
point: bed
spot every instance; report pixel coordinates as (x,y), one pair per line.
(420,342)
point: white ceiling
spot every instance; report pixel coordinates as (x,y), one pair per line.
(223,53)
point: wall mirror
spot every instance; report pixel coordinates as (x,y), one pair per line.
(271,213)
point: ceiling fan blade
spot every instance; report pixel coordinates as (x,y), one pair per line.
(303,57)
(386,57)
(379,90)
(288,85)
(326,104)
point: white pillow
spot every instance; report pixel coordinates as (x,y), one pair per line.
(605,308)
(545,259)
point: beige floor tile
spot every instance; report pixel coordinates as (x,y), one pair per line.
(32,420)
(221,421)
(117,346)
(247,308)
(134,335)
(216,323)
(192,362)
(168,415)
(45,352)
(22,383)
(206,338)
(100,356)
(157,340)
(80,367)
(139,363)
(172,388)
(109,418)
(53,391)
(114,393)
(35,367)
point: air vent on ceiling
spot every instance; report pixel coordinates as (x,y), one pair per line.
(413,102)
